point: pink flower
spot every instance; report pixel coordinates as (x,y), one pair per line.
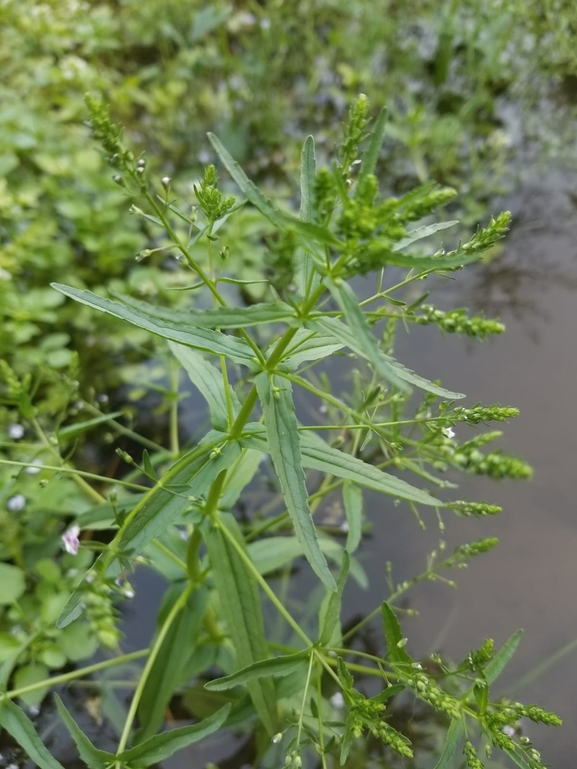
(70,539)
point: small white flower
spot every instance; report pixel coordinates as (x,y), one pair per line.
(448,432)
(70,539)
(277,738)
(337,700)
(16,503)
(34,469)
(509,730)
(16,432)
(265,23)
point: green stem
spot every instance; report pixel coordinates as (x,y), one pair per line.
(73,471)
(65,677)
(148,667)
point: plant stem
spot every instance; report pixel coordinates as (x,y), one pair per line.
(65,677)
(73,471)
(154,650)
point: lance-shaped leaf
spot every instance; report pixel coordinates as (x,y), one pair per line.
(241,607)
(420,233)
(305,276)
(307,345)
(283,221)
(332,614)
(208,379)
(221,317)
(162,746)
(375,144)
(92,757)
(80,427)
(368,348)
(454,735)
(195,472)
(278,667)
(353,503)
(284,445)
(200,338)
(394,637)
(21,728)
(318,455)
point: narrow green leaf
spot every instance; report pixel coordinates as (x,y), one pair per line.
(208,379)
(353,503)
(81,427)
(162,746)
(200,338)
(284,444)
(454,734)
(318,455)
(503,656)
(148,467)
(382,363)
(21,728)
(221,317)
(390,691)
(92,757)
(168,671)
(518,760)
(458,259)
(394,637)
(332,615)
(241,607)
(372,154)
(307,345)
(305,278)
(420,233)
(278,667)
(280,219)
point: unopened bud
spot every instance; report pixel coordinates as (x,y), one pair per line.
(165,182)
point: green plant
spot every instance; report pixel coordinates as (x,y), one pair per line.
(244,357)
